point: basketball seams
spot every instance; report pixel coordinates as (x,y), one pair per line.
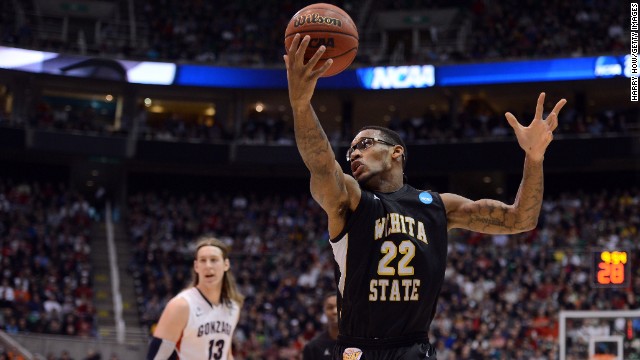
(333,10)
(320,31)
(342,14)
(336,56)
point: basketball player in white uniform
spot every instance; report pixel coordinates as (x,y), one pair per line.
(198,323)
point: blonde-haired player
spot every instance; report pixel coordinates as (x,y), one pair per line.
(198,323)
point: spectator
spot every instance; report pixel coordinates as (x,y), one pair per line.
(43,239)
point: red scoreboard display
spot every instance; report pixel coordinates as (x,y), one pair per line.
(610,268)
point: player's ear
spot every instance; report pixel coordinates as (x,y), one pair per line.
(398,153)
(227,264)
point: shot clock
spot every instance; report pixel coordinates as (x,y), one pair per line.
(610,268)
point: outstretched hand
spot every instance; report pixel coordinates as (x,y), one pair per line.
(302,77)
(535,138)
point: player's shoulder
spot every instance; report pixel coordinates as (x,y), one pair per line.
(190,295)
(178,305)
(314,340)
(453,201)
(312,345)
(320,347)
(187,294)
(409,187)
(320,339)
(234,305)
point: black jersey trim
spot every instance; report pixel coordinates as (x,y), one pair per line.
(395,195)
(205,298)
(350,217)
(444,209)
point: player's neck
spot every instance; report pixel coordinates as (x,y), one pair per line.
(213,294)
(333,331)
(386,181)
(384,185)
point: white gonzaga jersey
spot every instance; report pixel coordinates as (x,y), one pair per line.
(209,330)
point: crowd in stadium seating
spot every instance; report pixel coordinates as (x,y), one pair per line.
(277,128)
(250,33)
(46,284)
(283,263)
(253,35)
(468,125)
(71,118)
(471,125)
(516,29)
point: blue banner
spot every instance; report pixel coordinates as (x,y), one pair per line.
(531,71)
(243,78)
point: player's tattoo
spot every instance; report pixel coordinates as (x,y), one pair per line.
(313,144)
(529,197)
(487,221)
(488,215)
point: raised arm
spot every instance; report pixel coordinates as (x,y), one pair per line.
(330,187)
(495,217)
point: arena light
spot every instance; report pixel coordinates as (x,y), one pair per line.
(154,73)
(11,58)
(141,72)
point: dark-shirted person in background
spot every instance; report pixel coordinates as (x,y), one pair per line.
(321,346)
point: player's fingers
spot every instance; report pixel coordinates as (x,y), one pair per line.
(303,47)
(316,57)
(286,61)
(552,121)
(512,120)
(559,105)
(294,44)
(320,71)
(540,106)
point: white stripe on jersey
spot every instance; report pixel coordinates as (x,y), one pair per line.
(209,330)
(340,248)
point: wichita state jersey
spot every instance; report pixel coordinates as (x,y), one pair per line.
(391,259)
(209,330)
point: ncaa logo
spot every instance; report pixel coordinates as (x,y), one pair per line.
(351,354)
(425,198)
(317,42)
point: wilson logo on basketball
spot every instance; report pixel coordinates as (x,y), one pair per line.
(317,42)
(316,19)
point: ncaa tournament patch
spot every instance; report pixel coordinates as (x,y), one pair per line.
(351,354)
(425,198)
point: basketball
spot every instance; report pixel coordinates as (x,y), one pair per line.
(327,25)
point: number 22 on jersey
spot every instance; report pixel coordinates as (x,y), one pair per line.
(384,289)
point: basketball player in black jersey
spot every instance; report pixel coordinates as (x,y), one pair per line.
(321,346)
(389,239)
